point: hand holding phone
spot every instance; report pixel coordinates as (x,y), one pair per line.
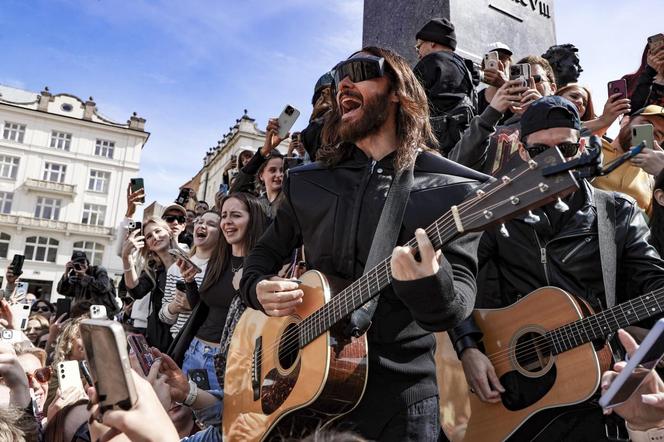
(179,254)
(137,185)
(69,376)
(617,87)
(17,266)
(286,120)
(643,132)
(139,345)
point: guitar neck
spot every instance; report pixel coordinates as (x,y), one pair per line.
(600,325)
(368,285)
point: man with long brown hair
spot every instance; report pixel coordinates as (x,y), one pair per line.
(378,127)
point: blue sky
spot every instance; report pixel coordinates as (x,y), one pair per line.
(191,67)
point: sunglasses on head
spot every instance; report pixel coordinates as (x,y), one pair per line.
(360,68)
(179,218)
(567,149)
(41,375)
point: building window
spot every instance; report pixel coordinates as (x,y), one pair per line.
(4,244)
(93,250)
(60,140)
(93,214)
(54,172)
(41,248)
(98,181)
(47,208)
(8,166)
(14,132)
(6,199)
(104,148)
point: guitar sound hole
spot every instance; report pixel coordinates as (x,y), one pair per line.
(288,347)
(532,352)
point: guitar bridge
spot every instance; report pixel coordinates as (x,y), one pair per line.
(256,368)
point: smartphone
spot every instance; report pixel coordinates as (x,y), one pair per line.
(618,87)
(69,375)
(180,254)
(17,264)
(643,132)
(98,312)
(105,347)
(21,290)
(491,60)
(183,196)
(520,71)
(62,306)
(136,185)
(181,285)
(134,225)
(141,349)
(13,336)
(21,313)
(655,41)
(287,119)
(642,362)
(200,378)
(85,371)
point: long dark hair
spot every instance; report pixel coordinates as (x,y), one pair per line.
(657,218)
(221,255)
(413,127)
(632,79)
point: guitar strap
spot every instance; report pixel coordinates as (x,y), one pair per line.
(606,232)
(384,240)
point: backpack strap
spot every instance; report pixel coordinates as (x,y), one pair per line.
(384,240)
(606,231)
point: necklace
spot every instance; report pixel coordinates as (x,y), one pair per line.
(234,268)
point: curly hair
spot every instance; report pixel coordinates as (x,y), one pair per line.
(65,342)
(413,127)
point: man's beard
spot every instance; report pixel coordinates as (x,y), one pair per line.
(374,114)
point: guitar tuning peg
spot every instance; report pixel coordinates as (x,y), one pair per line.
(532,218)
(561,206)
(503,231)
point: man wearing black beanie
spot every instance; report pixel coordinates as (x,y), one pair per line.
(447,81)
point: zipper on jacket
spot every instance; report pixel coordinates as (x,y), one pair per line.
(576,248)
(542,257)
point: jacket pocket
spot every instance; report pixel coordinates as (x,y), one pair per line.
(574,250)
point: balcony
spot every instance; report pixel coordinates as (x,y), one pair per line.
(43,186)
(26,222)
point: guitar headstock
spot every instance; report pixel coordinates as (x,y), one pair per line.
(521,189)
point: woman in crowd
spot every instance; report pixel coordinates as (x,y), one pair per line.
(43,307)
(646,85)
(582,99)
(32,360)
(176,309)
(37,328)
(268,165)
(153,261)
(657,218)
(242,224)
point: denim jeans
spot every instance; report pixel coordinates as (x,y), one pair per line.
(210,416)
(200,355)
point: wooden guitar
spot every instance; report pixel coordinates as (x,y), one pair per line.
(548,350)
(286,376)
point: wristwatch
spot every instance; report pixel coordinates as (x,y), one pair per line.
(651,435)
(191,396)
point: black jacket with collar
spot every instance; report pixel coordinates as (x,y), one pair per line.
(562,250)
(334,213)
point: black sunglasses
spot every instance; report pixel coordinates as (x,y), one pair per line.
(170,218)
(41,308)
(567,149)
(365,67)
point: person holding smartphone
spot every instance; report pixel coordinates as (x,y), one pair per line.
(646,85)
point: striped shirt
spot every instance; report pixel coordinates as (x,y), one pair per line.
(172,276)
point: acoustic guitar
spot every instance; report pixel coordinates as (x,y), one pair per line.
(549,350)
(286,376)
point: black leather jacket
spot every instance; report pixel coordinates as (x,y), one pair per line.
(562,250)
(334,213)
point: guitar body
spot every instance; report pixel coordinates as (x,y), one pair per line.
(535,380)
(273,389)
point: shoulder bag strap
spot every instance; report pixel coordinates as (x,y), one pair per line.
(606,231)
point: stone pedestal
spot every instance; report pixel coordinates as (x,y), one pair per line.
(527,26)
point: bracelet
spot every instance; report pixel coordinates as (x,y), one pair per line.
(192,395)
(652,434)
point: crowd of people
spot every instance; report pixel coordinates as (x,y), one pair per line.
(190,273)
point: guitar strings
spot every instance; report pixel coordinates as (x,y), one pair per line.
(291,339)
(549,339)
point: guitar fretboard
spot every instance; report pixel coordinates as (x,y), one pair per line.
(600,325)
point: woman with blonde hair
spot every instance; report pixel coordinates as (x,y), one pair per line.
(581,97)
(145,259)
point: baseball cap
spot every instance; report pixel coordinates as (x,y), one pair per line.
(78,256)
(651,109)
(548,113)
(500,47)
(177,207)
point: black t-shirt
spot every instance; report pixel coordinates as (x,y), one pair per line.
(218,298)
